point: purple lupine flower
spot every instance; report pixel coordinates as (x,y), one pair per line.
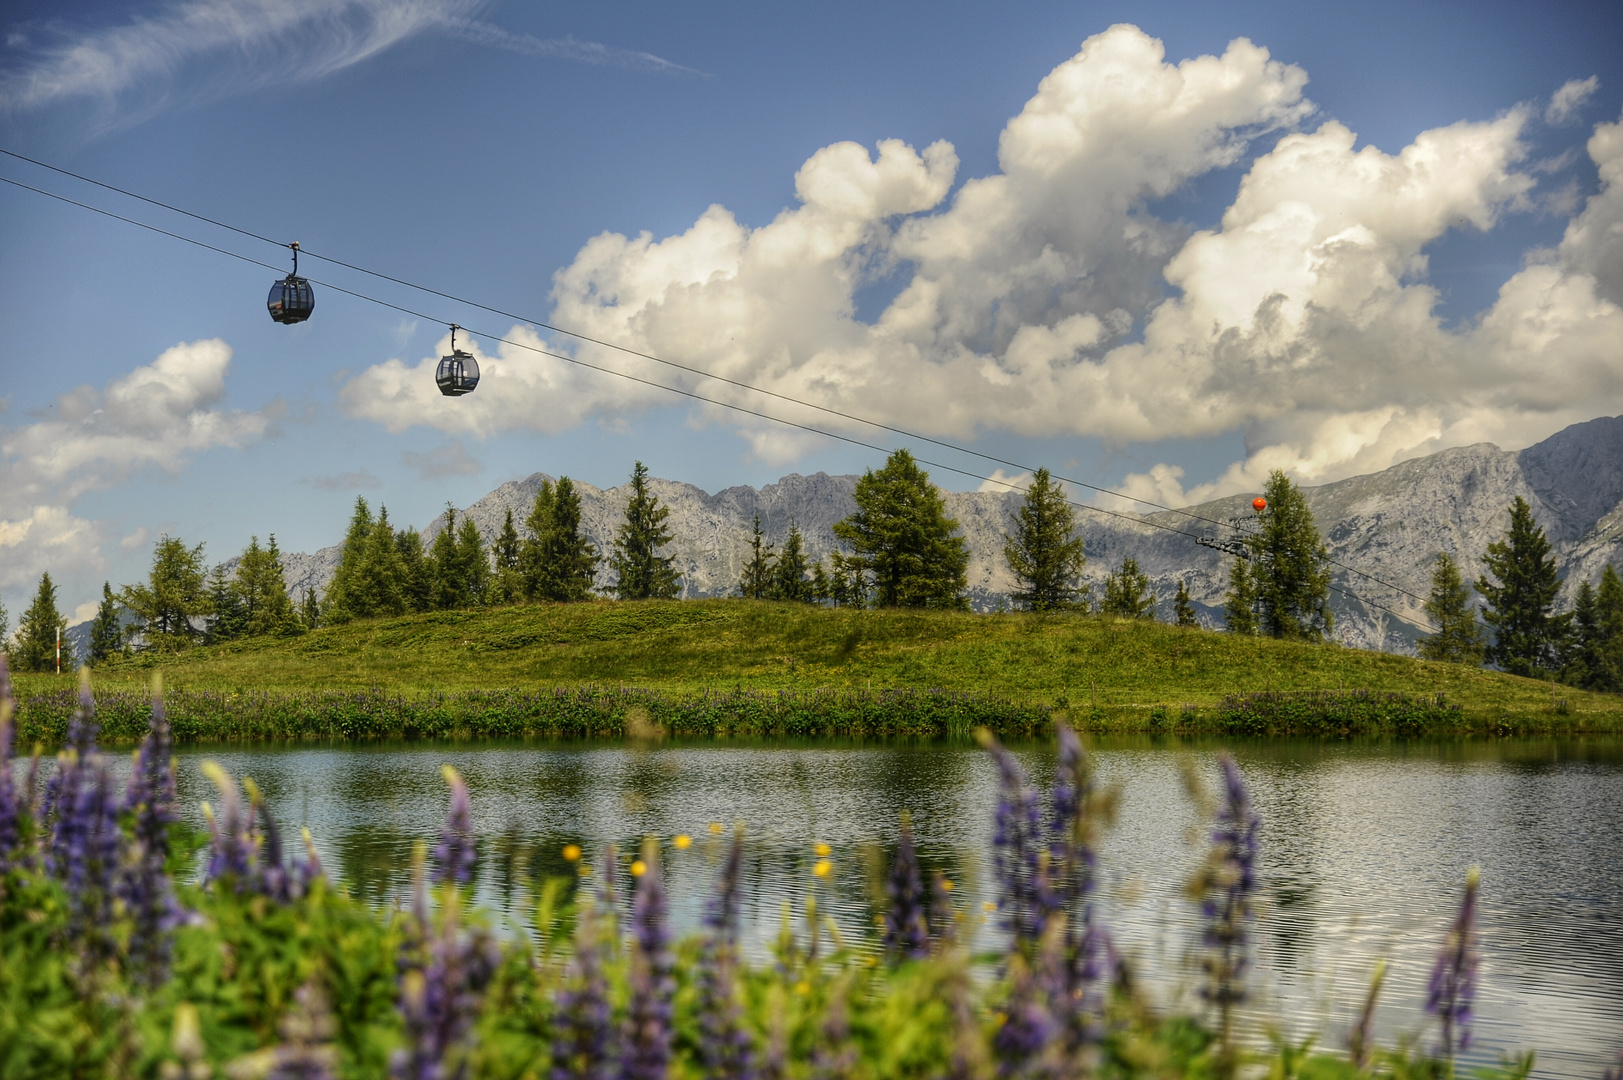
(1616,1071)
(446,970)
(1015,854)
(11,804)
(833,1058)
(231,840)
(1453,979)
(725,1049)
(1032,1032)
(81,742)
(457,850)
(144,884)
(583,1027)
(1226,886)
(86,845)
(307,1051)
(648,1026)
(907,935)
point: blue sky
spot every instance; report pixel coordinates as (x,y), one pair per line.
(1391,234)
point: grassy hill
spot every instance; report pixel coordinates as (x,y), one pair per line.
(1112,671)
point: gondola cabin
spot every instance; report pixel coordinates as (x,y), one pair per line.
(458,373)
(291,299)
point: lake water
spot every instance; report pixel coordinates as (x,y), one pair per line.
(1365,851)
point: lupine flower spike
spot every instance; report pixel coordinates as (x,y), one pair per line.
(725,1049)
(1361,1040)
(1453,979)
(144,885)
(1015,848)
(11,802)
(583,1031)
(648,1027)
(1225,886)
(231,843)
(86,841)
(907,935)
(457,850)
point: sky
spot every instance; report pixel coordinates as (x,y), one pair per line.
(1161,247)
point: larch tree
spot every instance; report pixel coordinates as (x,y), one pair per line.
(641,573)
(39,629)
(166,609)
(1458,639)
(1044,553)
(1519,605)
(1127,592)
(902,537)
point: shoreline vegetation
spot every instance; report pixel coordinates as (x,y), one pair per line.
(726,668)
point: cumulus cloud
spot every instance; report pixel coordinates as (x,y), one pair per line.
(156,416)
(1573,95)
(1304,319)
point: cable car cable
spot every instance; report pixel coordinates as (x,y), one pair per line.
(1140,519)
(685,367)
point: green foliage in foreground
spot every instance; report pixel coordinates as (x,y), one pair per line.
(1107,674)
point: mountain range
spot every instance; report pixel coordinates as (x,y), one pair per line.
(1383,530)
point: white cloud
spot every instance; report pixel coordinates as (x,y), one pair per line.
(452,459)
(1572,96)
(349,481)
(230,46)
(1304,319)
(1001,481)
(566,48)
(157,415)
(134,539)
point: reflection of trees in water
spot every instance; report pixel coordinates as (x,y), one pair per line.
(373,863)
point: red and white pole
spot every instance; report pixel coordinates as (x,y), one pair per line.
(59,650)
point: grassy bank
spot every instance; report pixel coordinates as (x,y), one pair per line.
(742,667)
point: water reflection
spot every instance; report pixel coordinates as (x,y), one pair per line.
(1365,849)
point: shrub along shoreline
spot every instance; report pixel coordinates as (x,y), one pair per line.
(621,712)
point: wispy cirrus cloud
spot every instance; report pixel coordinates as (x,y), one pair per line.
(192,50)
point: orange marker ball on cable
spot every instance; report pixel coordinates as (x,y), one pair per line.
(1259,504)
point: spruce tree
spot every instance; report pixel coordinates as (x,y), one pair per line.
(475,563)
(310,610)
(571,559)
(1043,553)
(416,578)
(1458,639)
(819,585)
(39,629)
(1240,605)
(789,574)
(380,581)
(106,635)
(175,597)
(902,536)
(1595,659)
(342,603)
(1127,592)
(533,553)
(847,581)
(1290,567)
(228,618)
(1518,606)
(640,572)
(506,587)
(756,581)
(445,564)
(261,583)
(1183,607)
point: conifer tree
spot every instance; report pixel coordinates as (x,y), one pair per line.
(1527,636)
(379,585)
(902,536)
(819,585)
(533,553)
(475,563)
(5,625)
(39,629)
(175,597)
(1183,606)
(789,573)
(1044,554)
(756,581)
(1240,605)
(1127,592)
(1595,658)
(342,601)
(416,578)
(261,584)
(106,636)
(505,584)
(557,562)
(228,619)
(640,572)
(310,610)
(1290,567)
(847,581)
(1458,639)
(445,564)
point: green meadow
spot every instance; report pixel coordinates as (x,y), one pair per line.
(1105,673)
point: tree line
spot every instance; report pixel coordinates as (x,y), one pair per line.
(898,549)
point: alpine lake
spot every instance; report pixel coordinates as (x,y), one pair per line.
(1365,850)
